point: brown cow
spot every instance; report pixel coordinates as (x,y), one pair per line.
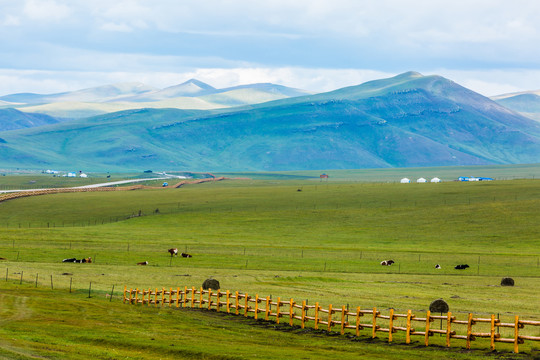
(143,263)
(173,251)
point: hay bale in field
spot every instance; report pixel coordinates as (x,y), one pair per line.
(439,306)
(211,284)
(507,281)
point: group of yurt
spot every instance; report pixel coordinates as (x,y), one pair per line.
(420,180)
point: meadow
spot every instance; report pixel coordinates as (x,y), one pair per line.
(289,237)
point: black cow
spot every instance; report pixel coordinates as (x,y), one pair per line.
(74,260)
(461,267)
(186,255)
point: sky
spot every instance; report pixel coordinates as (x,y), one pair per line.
(49,46)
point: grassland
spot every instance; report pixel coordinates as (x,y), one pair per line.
(304,239)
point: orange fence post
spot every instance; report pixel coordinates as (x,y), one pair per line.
(358,321)
(201,298)
(516,335)
(136,295)
(391,326)
(170,296)
(228,299)
(408,332)
(156,298)
(125,289)
(277,309)
(291,312)
(448,328)
(209,299)
(329,317)
(192,296)
(218,304)
(246,308)
(177,296)
(343,319)
(492,332)
(469,331)
(267,310)
(185,296)
(374,328)
(237,304)
(162,296)
(428,315)
(303,313)
(316,316)
(256,306)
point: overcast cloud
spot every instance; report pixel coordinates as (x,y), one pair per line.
(58,45)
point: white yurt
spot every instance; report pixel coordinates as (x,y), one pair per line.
(436,180)
(405,181)
(421,180)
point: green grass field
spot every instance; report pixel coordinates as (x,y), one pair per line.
(295,238)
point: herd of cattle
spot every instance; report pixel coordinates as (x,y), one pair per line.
(457,267)
(174,252)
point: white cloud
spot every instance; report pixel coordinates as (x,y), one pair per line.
(10,20)
(317,45)
(116,27)
(45,10)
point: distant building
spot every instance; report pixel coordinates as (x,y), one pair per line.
(421,180)
(324,176)
(472,178)
(405,181)
(435,180)
(83,175)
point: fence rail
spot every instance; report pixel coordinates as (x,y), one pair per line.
(287,311)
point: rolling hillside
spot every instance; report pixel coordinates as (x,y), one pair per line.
(527,103)
(405,121)
(192,94)
(11,119)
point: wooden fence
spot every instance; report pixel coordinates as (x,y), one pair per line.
(287,311)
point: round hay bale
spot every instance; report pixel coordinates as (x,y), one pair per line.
(439,306)
(211,284)
(507,281)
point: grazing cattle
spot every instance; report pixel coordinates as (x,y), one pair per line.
(437,266)
(185,255)
(461,267)
(387,262)
(143,263)
(173,251)
(74,260)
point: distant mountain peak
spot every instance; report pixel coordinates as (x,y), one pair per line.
(409,74)
(198,83)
